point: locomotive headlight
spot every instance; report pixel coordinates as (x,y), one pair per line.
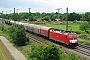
(73,41)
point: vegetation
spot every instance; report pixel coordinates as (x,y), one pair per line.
(85,26)
(16,33)
(3,31)
(74,16)
(19,36)
(46,16)
(87,17)
(85,42)
(4,53)
(50,52)
(42,52)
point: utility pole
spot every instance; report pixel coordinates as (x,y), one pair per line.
(29,13)
(2,16)
(58,18)
(14,15)
(14,10)
(29,10)
(67,19)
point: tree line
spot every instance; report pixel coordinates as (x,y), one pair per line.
(46,16)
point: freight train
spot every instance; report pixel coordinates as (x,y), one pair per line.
(66,37)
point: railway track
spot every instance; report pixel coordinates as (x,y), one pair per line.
(83,49)
(37,40)
(84,46)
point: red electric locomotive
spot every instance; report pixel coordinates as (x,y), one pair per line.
(65,37)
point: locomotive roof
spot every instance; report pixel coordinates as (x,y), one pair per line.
(62,31)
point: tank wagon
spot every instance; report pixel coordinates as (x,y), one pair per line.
(65,37)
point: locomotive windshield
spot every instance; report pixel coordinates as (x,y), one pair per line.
(73,36)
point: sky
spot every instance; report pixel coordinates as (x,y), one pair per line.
(78,6)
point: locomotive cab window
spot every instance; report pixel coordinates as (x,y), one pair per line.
(73,36)
(52,30)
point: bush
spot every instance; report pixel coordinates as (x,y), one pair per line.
(36,52)
(42,52)
(83,36)
(81,41)
(87,43)
(3,28)
(85,26)
(78,32)
(11,30)
(73,57)
(19,36)
(51,52)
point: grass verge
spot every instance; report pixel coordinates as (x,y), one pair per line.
(85,42)
(4,53)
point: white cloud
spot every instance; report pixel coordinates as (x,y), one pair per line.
(51,5)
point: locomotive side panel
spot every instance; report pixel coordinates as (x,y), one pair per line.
(52,35)
(57,37)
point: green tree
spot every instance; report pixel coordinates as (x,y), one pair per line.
(15,16)
(37,51)
(31,18)
(87,16)
(42,52)
(84,26)
(51,52)
(43,14)
(23,15)
(46,18)
(53,17)
(74,16)
(19,36)
(11,30)
(3,28)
